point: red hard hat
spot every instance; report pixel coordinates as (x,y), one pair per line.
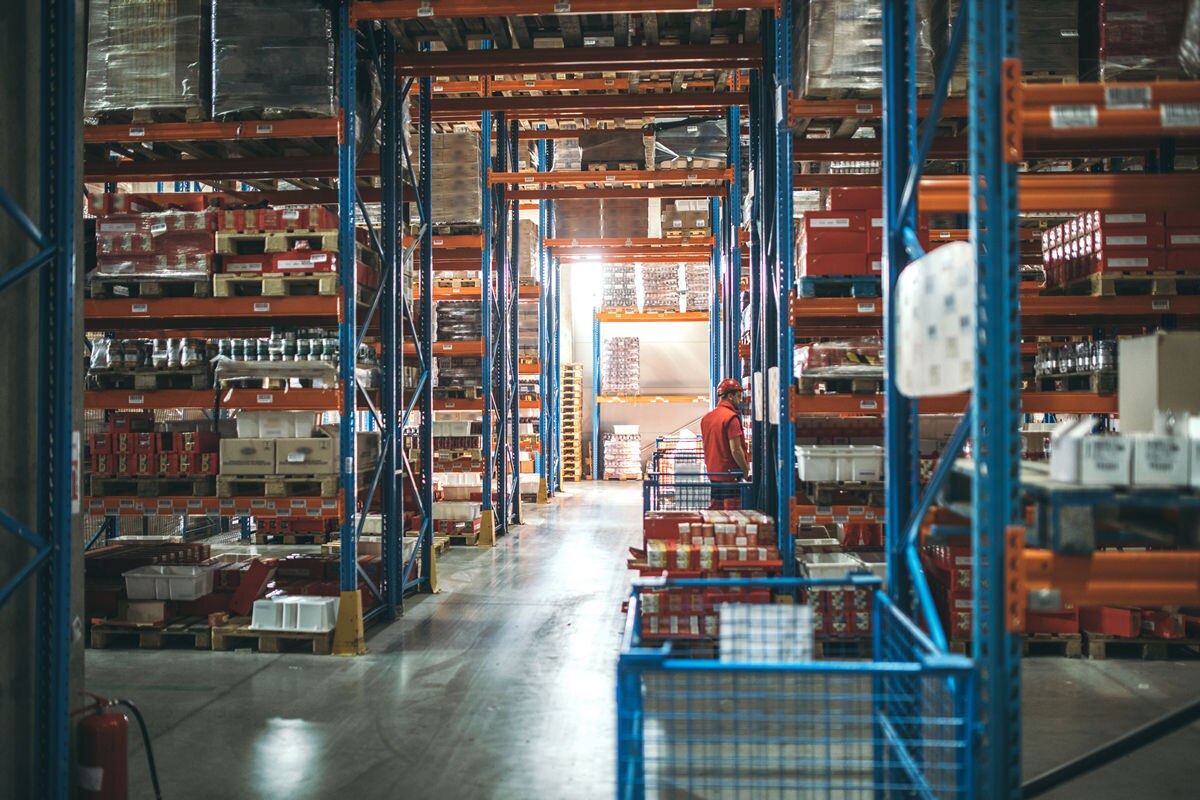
(728,385)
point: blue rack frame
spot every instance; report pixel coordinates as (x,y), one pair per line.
(53,265)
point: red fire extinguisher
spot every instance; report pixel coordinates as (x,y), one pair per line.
(103,772)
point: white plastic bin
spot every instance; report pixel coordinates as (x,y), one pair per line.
(829,565)
(158,582)
(295,613)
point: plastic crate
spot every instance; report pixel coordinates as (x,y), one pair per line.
(157,582)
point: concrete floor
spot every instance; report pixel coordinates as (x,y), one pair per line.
(502,687)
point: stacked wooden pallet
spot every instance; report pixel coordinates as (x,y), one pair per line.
(572,422)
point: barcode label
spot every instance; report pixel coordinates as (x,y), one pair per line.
(864,108)
(265,399)
(841,518)
(824,511)
(319,258)
(869,405)
(1128,263)
(139,308)
(158,227)
(1125,241)
(291,213)
(835,222)
(1125,219)
(866,308)
(262,308)
(531,178)
(137,131)
(856,511)
(1074,116)
(1127,96)
(136,399)
(808,520)
(1160,305)
(1180,115)
(438,242)
(263,128)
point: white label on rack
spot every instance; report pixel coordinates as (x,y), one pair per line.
(261,128)
(833,222)
(869,405)
(291,213)
(866,308)
(808,520)
(447,348)
(1180,115)
(194,503)
(137,131)
(530,84)
(842,518)
(157,228)
(864,108)
(1126,241)
(319,258)
(876,222)
(437,87)
(1074,116)
(438,242)
(136,399)
(824,511)
(1185,238)
(944,234)
(1128,96)
(532,178)
(265,399)
(1128,263)
(856,511)
(262,308)
(1160,305)
(139,308)
(1125,219)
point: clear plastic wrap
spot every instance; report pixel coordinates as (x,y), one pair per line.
(577,219)
(620,366)
(838,46)
(527,330)
(458,373)
(625,219)
(272,58)
(458,321)
(618,287)
(1189,48)
(528,245)
(690,142)
(568,157)
(1140,39)
(622,456)
(1048,38)
(696,280)
(659,287)
(167,243)
(859,358)
(612,148)
(145,55)
(457,188)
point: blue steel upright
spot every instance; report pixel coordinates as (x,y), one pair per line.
(733,259)
(716,304)
(424,338)
(784,284)
(501,370)
(545,427)
(596,395)
(488,524)
(758,425)
(514,319)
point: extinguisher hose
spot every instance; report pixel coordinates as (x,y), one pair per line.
(137,715)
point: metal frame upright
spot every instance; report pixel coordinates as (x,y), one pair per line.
(718,299)
(49,534)
(512,378)
(548,337)
(731,247)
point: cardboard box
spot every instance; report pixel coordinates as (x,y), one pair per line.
(1052,621)
(1079,456)
(1111,621)
(308,456)
(143,611)
(1165,369)
(1160,460)
(247,456)
(857,198)
(275,424)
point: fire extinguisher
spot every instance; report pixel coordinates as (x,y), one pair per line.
(104,750)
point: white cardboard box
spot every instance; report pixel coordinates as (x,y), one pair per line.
(275,424)
(1079,456)
(310,456)
(1159,372)
(1160,460)
(247,456)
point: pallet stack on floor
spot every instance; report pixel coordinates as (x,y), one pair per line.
(571,412)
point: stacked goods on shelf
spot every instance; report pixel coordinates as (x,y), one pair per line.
(611,149)
(1084,366)
(458,467)
(691,144)
(625,219)
(568,157)
(1138,40)
(839,251)
(1097,249)
(841,614)
(839,47)
(849,366)
(685,218)
(658,286)
(572,422)
(139,457)
(142,251)
(529,245)
(618,287)
(702,544)
(696,278)
(272,58)
(457,187)
(146,58)
(623,454)
(620,366)
(1048,35)
(528,332)
(577,219)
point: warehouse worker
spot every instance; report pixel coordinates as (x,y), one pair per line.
(725,446)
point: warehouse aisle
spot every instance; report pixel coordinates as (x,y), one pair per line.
(500,687)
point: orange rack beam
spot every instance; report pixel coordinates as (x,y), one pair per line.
(706,241)
(1125,110)
(1116,578)
(262,399)
(831,515)
(652,316)
(262,507)
(157,311)
(647,399)
(213,131)
(460,242)
(614,177)
(1031,403)
(469,349)
(475,406)
(620,192)
(636,253)
(412,9)
(800,108)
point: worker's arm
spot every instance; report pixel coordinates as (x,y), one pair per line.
(737,447)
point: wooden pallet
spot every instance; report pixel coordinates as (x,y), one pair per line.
(121,287)
(613,166)
(147,116)
(237,635)
(229,243)
(840,286)
(277,486)
(130,486)
(1100,382)
(456,229)
(1068,645)
(1101,646)
(149,379)
(273,537)
(323,284)
(194,632)
(686,233)
(838,648)
(839,385)
(1132,284)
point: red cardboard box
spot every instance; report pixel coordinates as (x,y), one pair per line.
(168,463)
(1159,624)
(856,198)
(1052,621)
(131,421)
(102,464)
(1183,238)
(833,264)
(100,443)
(1182,219)
(195,441)
(1183,261)
(247,265)
(1110,621)
(306,261)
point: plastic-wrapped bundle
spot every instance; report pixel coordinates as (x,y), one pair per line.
(625,219)
(618,287)
(144,54)
(528,243)
(1140,39)
(622,455)
(458,321)
(1048,36)
(1189,48)
(458,373)
(700,143)
(169,244)
(568,157)
(839,46)
(612,147)
(850,359)
(659,287)
(457,190)
(620,366)
(527,330)
(272,57)
(684,216)
(577,219)
(696,278)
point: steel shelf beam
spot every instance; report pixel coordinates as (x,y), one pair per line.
(107,314)
(696,241)
(417,9)
(1032,403)
(568,178)
(673,58)
(256,399)
(623,192)
(240,169)
(1114,578)
(213,131)
(650,399)
(262,507)
(602,106)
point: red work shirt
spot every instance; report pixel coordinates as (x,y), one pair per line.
(716,429)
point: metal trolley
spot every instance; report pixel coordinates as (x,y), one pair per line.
(757,722)
(692,489)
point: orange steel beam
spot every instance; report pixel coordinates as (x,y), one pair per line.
(621,192)
(213,131)
(800,108)
(644,399)
(1071,192)
(632,251)
(1154,578)
(1031,403)
(669,58)
(642,258)
(261,399)
(1046,94)
(255,311)
(223,169)
(462,241)
(567,178)
(955,149)
(696,241)
(1040,122)
(414,9)
(456,109)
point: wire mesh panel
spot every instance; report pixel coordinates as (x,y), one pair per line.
(690,488)
(691,726)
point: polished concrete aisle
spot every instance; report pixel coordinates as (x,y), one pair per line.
(502,687)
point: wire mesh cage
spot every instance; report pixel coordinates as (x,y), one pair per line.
(690,488)
(764,720)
